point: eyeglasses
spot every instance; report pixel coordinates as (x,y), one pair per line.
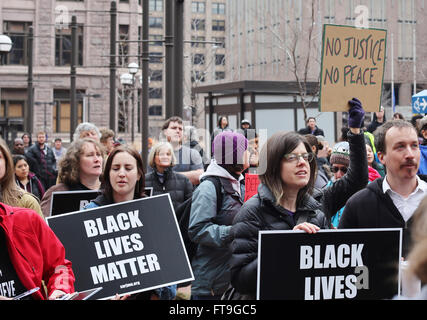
(293,157)
(342,169)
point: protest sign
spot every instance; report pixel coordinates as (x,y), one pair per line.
(331,264)
(126,247)
(353,62)
(251,185)
(69,201)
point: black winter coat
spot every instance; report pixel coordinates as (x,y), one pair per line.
(372,208)
(261,213)
(43,167)
(176,184)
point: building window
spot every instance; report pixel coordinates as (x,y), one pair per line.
(155,93)
(156,57)
(219,59)
(198,24)
(157,40)
(220,41)
(156,5)
(197,76)
(123,46)
(218,25)
(406,23)
(197,7)
(12,109)
(218,8)
(199,58)
(199,42)
(61,111)
(155,22)
(155,110)
(17,31)
(156,75)
(63,46)
(219,75)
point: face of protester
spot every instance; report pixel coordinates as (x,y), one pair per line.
(339,170)
(18,146)
(26,139)
(174,132)
(90,161)
(380,115)
(91,134)
(22,169)
(224,122)
(369,155)
(124,175)
(109,144)
(312,124)
(41,139)
(402,153)
(296,174)
(163,158)
(58,144)
(2,165)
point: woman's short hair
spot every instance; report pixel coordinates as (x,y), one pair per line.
(155,151)
(278,145)
(106,187)
(69,165)
(85,126)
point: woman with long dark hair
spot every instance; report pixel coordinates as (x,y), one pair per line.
(283,202)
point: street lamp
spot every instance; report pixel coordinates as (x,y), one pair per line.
(128,80)
(5,44)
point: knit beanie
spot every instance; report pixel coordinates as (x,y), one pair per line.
(340,154)
(228,147)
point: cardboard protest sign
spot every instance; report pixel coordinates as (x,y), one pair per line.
(69,201)
(251,185)
(353,62)
(331,264)
(126,247)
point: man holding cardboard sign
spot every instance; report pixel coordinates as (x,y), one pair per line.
(352,65)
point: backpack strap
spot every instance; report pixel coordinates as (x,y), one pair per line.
(217,183)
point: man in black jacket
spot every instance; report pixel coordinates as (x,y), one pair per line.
(390,202)
(312,128)
(43,159)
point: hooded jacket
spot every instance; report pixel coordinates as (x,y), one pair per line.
(35,251)
(262,213)
(211,261)
(372,208)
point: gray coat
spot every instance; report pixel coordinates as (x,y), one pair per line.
(210,263)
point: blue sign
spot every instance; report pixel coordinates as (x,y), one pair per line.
(419,102)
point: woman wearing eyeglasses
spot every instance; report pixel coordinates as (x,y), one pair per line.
(283,202)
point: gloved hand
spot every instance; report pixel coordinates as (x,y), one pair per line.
(356,114)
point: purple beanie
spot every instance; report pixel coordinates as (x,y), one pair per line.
(228,147)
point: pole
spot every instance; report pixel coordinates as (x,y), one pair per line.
(113,31)
(393,102)
(179,57)
(144,95)
(73,100)
(169,56)
(30,91)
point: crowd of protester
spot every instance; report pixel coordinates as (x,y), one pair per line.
(373,178)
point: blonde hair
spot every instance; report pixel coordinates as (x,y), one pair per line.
(155,151)
(10,192)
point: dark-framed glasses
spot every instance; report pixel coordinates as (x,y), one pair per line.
(294,157)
